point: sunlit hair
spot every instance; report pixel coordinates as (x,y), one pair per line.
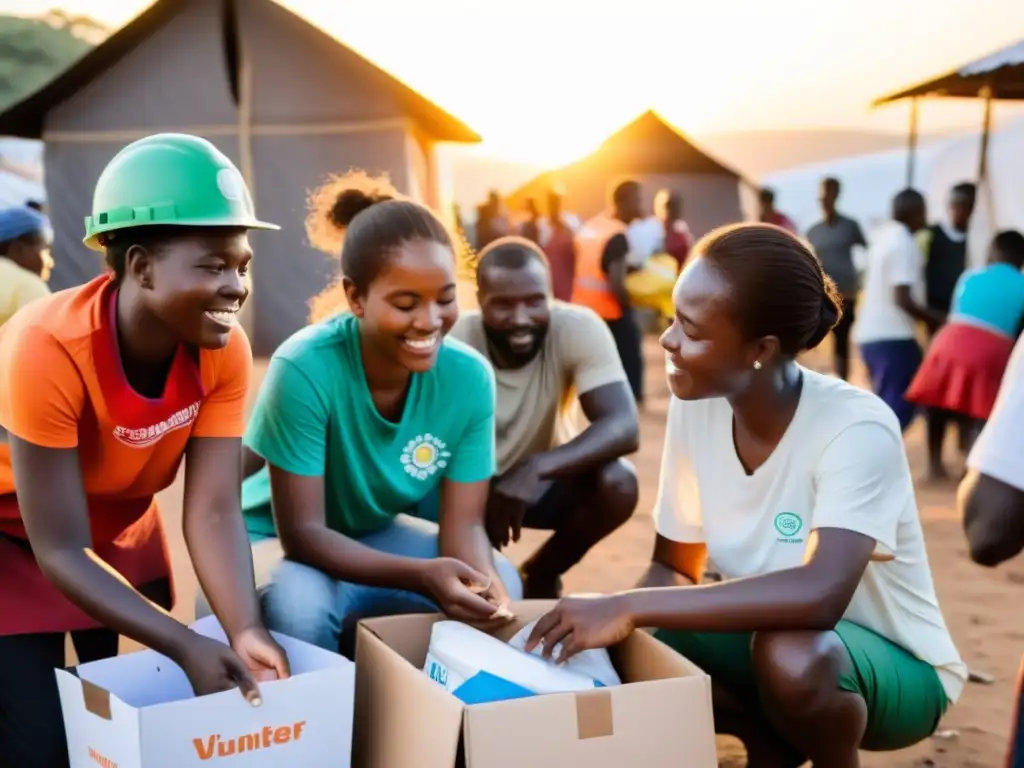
(332,206)
(362,220)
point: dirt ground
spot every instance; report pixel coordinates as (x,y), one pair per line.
(978,603)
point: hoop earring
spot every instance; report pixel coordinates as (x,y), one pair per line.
(757,365)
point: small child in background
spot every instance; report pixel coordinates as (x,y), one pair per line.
(966,360)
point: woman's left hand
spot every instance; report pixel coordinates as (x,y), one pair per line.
(582,623)
(262,655)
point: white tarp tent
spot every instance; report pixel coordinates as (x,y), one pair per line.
(870,181)
(21,172)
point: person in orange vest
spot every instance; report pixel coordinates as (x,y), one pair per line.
(600,280)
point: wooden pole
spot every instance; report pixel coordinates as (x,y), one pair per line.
(912,142)
(986,131)
(984,183)
(245,159)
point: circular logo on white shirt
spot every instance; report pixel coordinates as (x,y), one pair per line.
(788,524)
(424,455)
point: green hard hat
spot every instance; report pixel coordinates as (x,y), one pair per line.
(170,178)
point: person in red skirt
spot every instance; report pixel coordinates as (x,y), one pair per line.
(965,362)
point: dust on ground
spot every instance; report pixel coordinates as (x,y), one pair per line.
(982,607)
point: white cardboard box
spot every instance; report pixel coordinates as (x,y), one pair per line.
(138,711)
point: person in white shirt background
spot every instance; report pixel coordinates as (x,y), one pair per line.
(645,237)
(825,636)
(991,501)
(892,304)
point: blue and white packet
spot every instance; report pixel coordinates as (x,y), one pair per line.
(594,664)
(477,668)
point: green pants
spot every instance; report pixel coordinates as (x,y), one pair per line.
(904,696)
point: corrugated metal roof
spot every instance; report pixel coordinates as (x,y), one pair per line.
(1007,57)
(1002,71)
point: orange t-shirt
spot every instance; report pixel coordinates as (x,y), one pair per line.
(62,385)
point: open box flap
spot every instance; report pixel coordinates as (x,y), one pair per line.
(96,699)
(643,657)
(140,679)
(97,724)
(302,657)
(147,679)
(402,716)
(408,635)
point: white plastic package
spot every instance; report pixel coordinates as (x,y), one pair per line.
(592,664)
(477,668)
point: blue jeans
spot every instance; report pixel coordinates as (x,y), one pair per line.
(307,604)
(891,367)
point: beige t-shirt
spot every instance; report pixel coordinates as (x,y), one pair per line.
(534,402)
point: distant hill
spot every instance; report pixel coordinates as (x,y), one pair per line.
(34,50)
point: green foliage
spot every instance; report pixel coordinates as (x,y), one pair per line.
(35,50)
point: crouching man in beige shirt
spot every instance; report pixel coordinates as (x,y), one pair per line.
(547,356)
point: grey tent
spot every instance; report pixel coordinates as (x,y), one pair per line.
(284,100)
(652,152)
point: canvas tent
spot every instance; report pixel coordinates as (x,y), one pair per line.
(287,102)
(870,181)
(21,172)
(654,153)
(998,76)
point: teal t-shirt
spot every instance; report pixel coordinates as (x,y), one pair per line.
(993,296)
(314,416)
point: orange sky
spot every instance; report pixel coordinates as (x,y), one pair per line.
(546,80)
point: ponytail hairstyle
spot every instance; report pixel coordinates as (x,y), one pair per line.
(363,220)
(779,286)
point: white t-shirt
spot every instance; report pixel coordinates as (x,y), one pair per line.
(893,259)
(646,237)
(841,464)
(997,453)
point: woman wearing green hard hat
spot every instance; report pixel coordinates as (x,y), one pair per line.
(104,389)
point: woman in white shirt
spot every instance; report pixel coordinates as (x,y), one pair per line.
(825,635)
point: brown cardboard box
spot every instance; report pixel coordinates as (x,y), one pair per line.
(660,717)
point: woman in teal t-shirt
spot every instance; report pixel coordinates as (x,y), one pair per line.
(362,419)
